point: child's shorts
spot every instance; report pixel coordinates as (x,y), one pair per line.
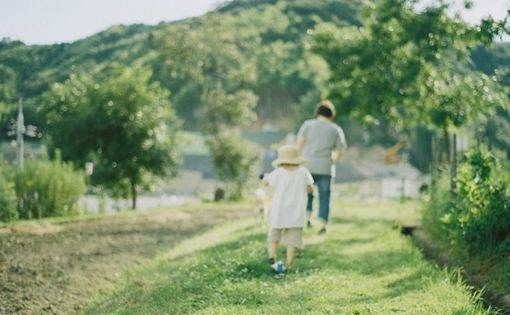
(287,236)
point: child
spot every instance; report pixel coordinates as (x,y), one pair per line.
(290,183)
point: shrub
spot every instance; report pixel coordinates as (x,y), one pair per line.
(7,197)
(48,189)
(476,219)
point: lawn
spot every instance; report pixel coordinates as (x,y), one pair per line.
(361,266)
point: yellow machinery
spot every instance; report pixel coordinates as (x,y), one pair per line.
(391,154)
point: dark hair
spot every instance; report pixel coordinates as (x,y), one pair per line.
(326,109)
(323,111)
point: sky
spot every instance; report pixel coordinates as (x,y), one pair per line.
(55,21)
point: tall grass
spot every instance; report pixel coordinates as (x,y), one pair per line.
(41,189)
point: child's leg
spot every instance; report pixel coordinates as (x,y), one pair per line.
(273,240)
(291,254)
(272,249)
(294,240)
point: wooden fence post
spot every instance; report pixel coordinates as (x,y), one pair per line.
(433,161)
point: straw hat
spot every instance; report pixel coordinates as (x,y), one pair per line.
(288,154)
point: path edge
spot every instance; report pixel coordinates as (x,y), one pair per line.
(431,252)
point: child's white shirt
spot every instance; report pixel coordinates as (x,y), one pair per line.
(288,208)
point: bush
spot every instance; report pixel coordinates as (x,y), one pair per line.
(48,189)
(476,219)
(7,198)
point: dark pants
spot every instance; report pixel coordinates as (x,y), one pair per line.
(323,183)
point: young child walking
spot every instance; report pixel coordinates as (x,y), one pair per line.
(290,182)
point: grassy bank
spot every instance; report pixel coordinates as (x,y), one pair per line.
(362,266)
(126,213)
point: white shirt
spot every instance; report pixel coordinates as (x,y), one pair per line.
(322,137)
(288,208)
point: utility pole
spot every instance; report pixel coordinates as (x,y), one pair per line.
(20,130)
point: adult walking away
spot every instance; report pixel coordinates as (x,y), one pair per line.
(321,141)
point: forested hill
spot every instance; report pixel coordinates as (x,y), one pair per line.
(496,58)
(255,45)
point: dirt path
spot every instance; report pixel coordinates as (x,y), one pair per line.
(54,268)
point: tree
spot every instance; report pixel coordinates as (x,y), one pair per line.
(452,99)
(121,122)
(215,88)
(8,94)
(405,67)
(224,114)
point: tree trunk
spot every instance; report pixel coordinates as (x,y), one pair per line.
(446,137)
(134,194)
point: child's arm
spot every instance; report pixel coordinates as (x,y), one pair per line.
(309,181)
(263,178)
(266,180)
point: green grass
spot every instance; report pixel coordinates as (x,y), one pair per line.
(361,266)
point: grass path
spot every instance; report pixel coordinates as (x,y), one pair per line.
(361,266)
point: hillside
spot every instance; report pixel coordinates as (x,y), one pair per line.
(258,45)
(491,60)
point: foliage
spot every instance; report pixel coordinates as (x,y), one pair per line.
(209,68)
(224,110)
(455,99)
(497,130)
(248,45)
(8,210)
(48,189)
(260,46)
(495,61)
(121,123)
(475,220)
(407,67)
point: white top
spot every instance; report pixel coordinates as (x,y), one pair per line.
(288,208)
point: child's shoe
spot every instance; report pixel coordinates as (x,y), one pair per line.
(279,267)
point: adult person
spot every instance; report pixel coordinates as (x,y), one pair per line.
(321,141)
